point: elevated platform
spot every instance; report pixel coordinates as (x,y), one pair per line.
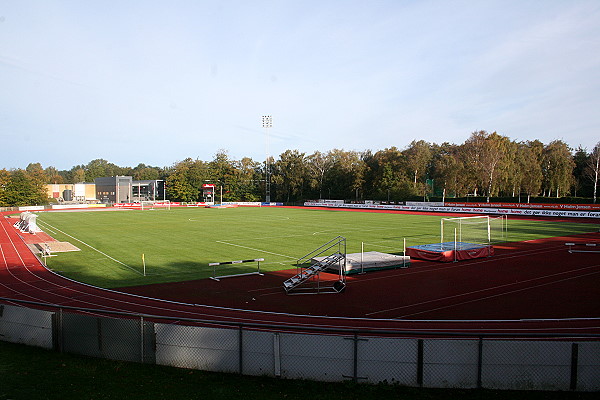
(450,251)
(370,261)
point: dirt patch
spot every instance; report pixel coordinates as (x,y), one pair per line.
(54,247)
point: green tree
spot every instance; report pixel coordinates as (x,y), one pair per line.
(244,180)
(593,169)
(418,156)
(23,189)
(53,175)
(77,175)
(318,165)
(4,182)
(386,169)
(142,172)
(486,157)
(37,181)
(346,179)
(289,173)
(101,168)
(449,169)
(221,173)
(184,183)
(557,168)
(528,168)
(582,184)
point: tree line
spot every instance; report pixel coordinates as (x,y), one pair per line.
(486,165)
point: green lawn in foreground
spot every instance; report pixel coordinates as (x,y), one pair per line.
(178,244)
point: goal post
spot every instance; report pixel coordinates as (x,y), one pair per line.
(485,230)
(155,205)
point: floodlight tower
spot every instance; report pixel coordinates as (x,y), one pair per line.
(267,122)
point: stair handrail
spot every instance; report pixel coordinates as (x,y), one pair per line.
(317,252)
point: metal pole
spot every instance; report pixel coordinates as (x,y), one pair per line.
(142,339)
(362,250)
(267,122)
(454,244)
(404,254)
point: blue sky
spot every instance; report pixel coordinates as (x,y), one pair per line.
(159,81)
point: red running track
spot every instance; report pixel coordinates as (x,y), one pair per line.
(425,298)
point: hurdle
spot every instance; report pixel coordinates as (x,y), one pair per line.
(218,278)
(594,246)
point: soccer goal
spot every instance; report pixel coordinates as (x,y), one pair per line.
(483,230)
(155,205)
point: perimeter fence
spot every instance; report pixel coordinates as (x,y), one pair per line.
(433,360)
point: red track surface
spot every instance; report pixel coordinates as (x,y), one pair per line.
(528,287)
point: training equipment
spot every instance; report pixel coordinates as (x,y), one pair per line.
(358,263)
(27,223)
(155,204)
(309,269)
(483,230)
(583,247)
(463,238)
(215,264)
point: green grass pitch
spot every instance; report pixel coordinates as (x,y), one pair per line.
(178,244)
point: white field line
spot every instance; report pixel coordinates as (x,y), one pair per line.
(253,249)
(95,249)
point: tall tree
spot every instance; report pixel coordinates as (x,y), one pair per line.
(143,172)
(449,169)
(37,181)
(387,171)
(53,175)
(528,168)
(186,179)
(4,182)
(346,177)
(486,155)
(244,181)
(557,168)
(593,170)
(23,189)
(289,174)
(99,168)
(318,165)
(418,156)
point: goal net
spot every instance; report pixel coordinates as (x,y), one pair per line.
(156,205)
(481,230)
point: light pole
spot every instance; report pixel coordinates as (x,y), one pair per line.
(267,122)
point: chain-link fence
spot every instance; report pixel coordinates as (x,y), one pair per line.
(443,361)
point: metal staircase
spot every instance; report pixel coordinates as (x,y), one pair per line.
(311,274)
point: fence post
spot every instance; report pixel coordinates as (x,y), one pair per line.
(479,361)
(57,341)
(355,376)
(142,341)
(276,355)
(574,362)
(420,362)
(241,349)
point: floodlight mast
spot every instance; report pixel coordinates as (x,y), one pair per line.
(267,122)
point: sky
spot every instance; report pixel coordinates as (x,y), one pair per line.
(156,82)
